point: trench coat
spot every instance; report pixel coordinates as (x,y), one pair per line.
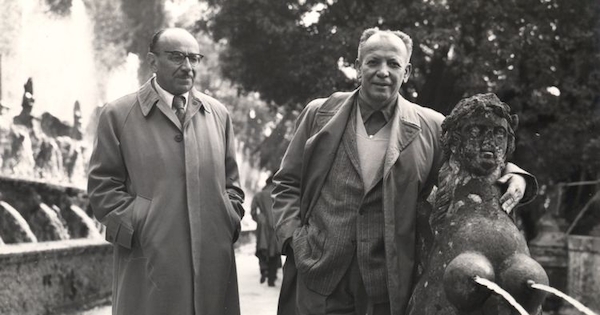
(261,210)
(411,165)
(170,199)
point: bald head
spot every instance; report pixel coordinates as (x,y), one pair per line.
(169,33)
(174,54)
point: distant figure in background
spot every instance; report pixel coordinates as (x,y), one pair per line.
(269,258)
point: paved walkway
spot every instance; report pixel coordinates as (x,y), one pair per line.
(255,298)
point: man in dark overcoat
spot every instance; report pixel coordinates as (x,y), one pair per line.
(347,191)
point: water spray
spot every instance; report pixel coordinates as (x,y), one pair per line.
(580,307)
(497,289)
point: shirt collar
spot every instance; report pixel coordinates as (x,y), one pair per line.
(366,111)
(166,96)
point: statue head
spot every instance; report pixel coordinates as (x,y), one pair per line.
(479,134)
(28,100)
(77,115)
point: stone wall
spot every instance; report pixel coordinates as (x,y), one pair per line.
(54,277)
(549,248)
(53,259)
(584,270)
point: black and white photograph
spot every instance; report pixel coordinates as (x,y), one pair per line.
(299,157)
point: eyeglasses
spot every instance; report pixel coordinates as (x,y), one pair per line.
(178,57)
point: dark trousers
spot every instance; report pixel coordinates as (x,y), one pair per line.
(268,266)
(348,298)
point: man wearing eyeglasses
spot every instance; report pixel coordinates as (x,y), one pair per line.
(164,180)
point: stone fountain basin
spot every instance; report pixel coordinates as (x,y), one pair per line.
(55,277)
(49,275)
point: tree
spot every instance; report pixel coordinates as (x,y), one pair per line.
(253,120)
(541,57)
(266,44)
(144,18)
(122,27)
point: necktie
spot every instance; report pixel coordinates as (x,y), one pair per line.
(375,122)
(178,105)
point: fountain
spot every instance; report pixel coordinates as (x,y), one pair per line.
(474,237)
(580,307)
(477,247)
(504,294)
(52,254)
(53,258)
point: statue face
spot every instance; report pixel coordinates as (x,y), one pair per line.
(484,143)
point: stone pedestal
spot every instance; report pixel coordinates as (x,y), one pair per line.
(549,249)
(584,270)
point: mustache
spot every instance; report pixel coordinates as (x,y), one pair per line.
(183,74)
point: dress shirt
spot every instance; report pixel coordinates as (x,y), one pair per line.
(366,111)
(168,97)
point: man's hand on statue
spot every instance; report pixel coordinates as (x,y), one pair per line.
(514,192)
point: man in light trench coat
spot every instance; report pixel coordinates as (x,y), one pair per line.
(164,180)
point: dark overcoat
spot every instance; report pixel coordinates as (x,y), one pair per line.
(411,165)
(413,157)
(262,212)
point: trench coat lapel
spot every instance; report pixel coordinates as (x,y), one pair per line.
(148,97)
(194,105)
(320,151)
(405,129)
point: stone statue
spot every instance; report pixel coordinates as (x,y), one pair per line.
(473,236)
(76,130)
(25,118)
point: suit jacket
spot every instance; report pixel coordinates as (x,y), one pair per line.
(414,156)
(345,223)
(166,194)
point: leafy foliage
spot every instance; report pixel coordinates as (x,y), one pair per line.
(541,57)
(253,120)
(269,52)
(144,18)
(122,27)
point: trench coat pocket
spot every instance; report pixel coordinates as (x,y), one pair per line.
(307,244)
(234,217)
(118,233)
(141,207)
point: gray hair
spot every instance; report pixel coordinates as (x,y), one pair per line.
(374,30)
